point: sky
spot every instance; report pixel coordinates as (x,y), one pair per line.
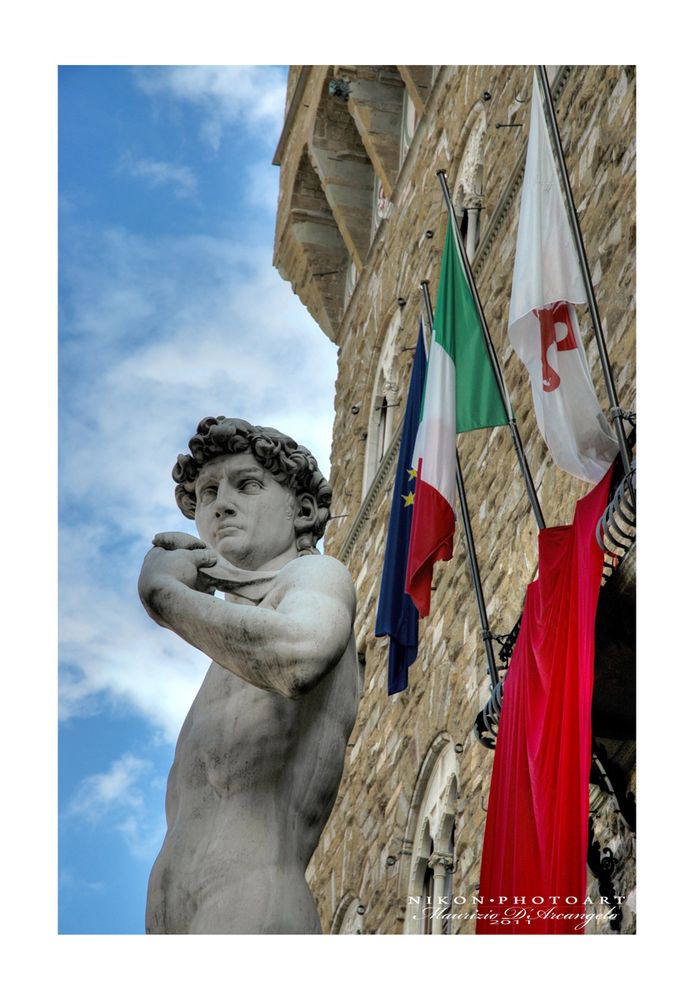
(169,311)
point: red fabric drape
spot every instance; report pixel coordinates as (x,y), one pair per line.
(533,876)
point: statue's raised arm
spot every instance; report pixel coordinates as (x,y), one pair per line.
(281,692)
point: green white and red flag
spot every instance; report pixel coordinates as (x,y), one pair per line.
(461,394)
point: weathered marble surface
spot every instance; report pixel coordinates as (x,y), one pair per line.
(260,756)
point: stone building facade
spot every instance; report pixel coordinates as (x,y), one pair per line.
(360,223)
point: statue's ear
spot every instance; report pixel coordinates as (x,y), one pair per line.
(307,513)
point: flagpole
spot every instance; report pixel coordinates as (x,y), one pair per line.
(503,392)
(615,410)
(467,525)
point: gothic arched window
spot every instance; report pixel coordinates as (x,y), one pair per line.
(409,124)
(469,183)
(383,405)
(431,834)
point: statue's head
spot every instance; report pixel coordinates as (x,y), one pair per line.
(210,467)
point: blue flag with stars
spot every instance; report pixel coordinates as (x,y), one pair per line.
(397,616)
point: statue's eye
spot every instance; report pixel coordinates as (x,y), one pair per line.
(208,493)
(250,486)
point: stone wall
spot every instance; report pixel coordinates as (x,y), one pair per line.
(365,852)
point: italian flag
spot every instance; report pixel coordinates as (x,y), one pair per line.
(460,394)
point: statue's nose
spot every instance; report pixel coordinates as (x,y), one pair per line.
(225,510)
(224,505)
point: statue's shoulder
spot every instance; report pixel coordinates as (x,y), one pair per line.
(321,573)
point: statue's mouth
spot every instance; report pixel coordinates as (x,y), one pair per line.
(227,529)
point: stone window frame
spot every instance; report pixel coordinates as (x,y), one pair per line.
(347,919)
(468,186)
(381,207)
(383,416)
(432,820)
(351,278)
(407,134)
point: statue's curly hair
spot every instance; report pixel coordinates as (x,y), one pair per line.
(289,463)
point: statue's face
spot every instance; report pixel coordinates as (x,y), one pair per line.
(245,514)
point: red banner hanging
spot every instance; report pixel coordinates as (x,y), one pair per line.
(533,878)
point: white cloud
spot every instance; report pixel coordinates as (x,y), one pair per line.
(114,655)
(143,838)
(122,796)
(157,173)
(156,335)
(250,96)
(97,794)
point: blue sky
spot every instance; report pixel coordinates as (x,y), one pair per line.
(169,311)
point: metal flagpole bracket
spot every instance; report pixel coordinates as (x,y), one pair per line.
(487,722)
(615,532)
(630,415)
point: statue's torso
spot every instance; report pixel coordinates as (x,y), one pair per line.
(254,778)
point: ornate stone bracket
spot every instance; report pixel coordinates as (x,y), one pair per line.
(442,862)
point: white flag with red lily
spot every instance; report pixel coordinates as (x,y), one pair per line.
(543,325)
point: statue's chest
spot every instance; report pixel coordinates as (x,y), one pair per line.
(234,728)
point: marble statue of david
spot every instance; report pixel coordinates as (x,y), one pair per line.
(260,756)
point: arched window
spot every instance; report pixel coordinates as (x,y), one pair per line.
(350,281)
(349,916)
(426,922)
(383,405)
(409,124)
(381,205)
(382,408)
(448,884)
(431,835)
(469,183)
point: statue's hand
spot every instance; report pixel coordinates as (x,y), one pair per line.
(162,566)
(177,540)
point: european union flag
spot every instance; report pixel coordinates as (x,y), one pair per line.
(397,616)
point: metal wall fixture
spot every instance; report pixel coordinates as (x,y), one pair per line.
(339,88)
(487,722)
(602,864)
(616,529)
